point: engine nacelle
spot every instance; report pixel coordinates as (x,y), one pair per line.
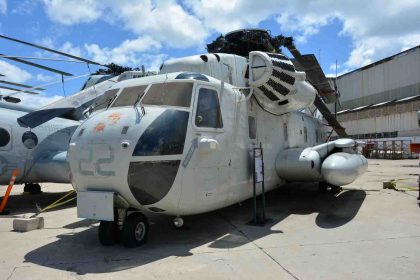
(278,87)
(335,162)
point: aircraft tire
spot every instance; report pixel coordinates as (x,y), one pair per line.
(32,188)
(107,233)
(135,230)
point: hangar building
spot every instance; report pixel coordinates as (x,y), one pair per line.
(379,102)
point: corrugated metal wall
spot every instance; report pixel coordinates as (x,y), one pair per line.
(397,117)
(396,78)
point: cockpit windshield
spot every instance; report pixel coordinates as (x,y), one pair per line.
(96,79)
(169,94)
(176,94)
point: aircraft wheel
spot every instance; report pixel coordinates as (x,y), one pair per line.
(32,188)
(108,233)
(178,222)
(135,230)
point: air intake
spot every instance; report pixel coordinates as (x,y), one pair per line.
(278,87)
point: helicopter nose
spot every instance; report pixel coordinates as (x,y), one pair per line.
(136,156)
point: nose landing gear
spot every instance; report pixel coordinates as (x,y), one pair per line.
(135,230)
(132,230)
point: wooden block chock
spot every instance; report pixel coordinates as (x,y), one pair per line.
(28,224)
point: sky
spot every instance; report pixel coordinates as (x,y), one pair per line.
(132,33)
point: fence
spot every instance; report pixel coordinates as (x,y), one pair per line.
(389,149)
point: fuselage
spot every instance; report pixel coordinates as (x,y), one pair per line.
(183,146)
(39,153)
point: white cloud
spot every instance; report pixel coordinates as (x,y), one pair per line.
(46,78)
(166,21)
(377,29)
(3,6)
(13,73)
(24,7)
(68,12)
(127,53)
(68,47)
(36,101)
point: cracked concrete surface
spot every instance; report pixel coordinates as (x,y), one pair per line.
(363,233)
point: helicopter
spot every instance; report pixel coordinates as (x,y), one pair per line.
(35,141)
(180,143)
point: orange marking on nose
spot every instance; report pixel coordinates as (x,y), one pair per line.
(114,117)
(99,127)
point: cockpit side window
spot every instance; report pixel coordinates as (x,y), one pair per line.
(169,94)
(208,109)
(104,100)
(129,96)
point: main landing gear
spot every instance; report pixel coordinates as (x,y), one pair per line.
(323,187)
(132,229)
(32,188)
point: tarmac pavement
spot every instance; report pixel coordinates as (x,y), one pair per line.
(365,232)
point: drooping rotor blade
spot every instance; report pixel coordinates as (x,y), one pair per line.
(50,50)
(20,85)
(39,66)
(16,89)
(329,117)
(1,75)
(41,58)
(315,75)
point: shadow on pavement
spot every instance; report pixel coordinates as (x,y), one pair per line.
(26,203)
(80,251)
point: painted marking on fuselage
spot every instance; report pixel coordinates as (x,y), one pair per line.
(194,145)
(99,127)
(98,164)
(114,118)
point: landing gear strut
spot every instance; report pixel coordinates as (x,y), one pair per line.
(32,188)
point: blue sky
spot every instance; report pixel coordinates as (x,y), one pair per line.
(136,32)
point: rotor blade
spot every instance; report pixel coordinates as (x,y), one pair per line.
(309,64)
(16,89)
(50,50)
(329,117)
(315,75)
(40,66)
(1,75)
(42,58)
(52,83)
(37,118)
(20,85)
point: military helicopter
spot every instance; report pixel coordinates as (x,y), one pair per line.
(36,140)
(180,143)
